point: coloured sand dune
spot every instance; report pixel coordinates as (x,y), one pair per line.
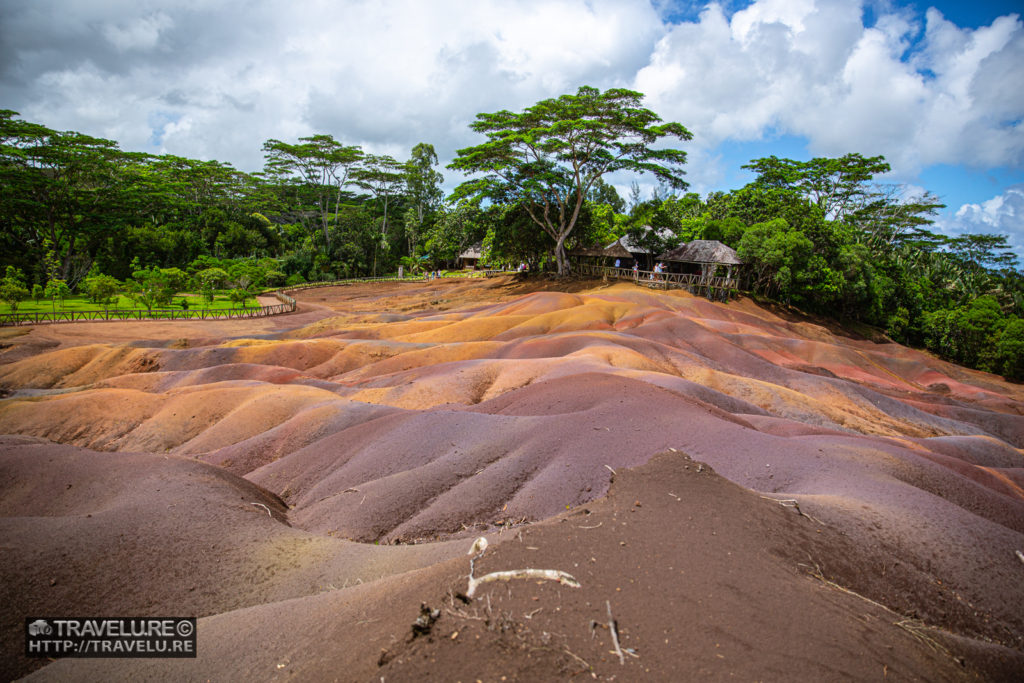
(384,426)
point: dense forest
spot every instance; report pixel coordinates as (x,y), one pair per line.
(77,213)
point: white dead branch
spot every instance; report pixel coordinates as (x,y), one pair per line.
(614,632)
(480,546)
(261,505)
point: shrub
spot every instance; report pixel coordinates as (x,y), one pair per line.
(12,288)
(56,290)
(102,289)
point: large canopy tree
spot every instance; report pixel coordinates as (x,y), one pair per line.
(60,192)
(549,157)
(836,186)
(384,177)
(323,166)
(423,187)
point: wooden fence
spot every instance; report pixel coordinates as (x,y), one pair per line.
(711,287)
(287,305)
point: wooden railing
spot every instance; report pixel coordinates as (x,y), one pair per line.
(287,305)
(712,287)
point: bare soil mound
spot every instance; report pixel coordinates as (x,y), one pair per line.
(682,572)
(88,533)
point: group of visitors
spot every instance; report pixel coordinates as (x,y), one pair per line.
(659,268)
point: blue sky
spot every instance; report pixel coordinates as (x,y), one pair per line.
(935,87)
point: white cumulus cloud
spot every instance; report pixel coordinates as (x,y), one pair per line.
(811,68)
(1001,215)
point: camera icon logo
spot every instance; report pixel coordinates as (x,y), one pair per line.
(40,627)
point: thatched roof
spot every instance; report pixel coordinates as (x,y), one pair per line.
(630,246)
(587,251)
(473,251)
(703,251)
(616,250)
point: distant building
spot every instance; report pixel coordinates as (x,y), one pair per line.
(470,258)
(635,251)
(710,255)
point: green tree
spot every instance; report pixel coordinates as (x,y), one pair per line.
(102,289)
(889,218)
(1010,349)
(323,165)
(727,230)
(836,186)
(550,156)
(175,279)
(151,288)
(512,237)
(56,290)
(211,279)
(457,228)
(240,295)
(383,177)
(605,193)
(967,334)
(777,255)
(423,187)
(61,191)
(12,288)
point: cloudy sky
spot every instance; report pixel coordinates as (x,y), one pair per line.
(938,88)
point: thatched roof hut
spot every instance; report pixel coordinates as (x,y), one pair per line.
(616,250)
(471,256)
(631,248)
(703,252)
(472,252)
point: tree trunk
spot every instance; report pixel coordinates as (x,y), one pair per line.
(560,258)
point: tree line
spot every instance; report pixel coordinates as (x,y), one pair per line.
(821,235)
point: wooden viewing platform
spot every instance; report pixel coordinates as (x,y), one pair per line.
(714,288)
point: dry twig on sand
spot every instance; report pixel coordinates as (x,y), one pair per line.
(793,503)
(615,633)
(261,505)
(480,546)
(918,629)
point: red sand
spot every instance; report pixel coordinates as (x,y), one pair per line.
(408,413)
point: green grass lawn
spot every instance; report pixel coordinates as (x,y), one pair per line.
(82,303)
